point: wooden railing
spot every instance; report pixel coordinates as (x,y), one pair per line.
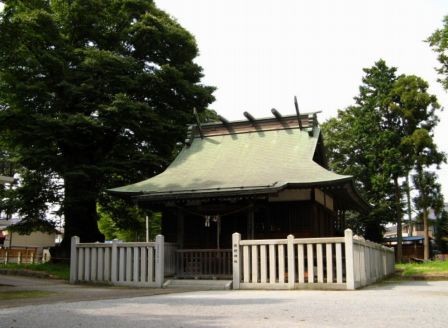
(330,263)
(133,264)
(170,259)
(19,255)
(204,263)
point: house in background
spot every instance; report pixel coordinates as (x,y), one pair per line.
(412,245)
(264,178)
(36,243)
(35,239)
(413,237)
(5,179)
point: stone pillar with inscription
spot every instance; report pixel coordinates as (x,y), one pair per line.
(236,260)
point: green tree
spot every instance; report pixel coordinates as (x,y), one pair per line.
(31,200)
(422,145)
(429,198)
(354,145)
(439,43)
(441,233)
(131,225)
(358,145)
(7,205)
(413,118)
(95,93)
(374,139)
(29,196)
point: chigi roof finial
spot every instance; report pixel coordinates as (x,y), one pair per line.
(296,104)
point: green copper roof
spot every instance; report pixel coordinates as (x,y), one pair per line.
(246,162)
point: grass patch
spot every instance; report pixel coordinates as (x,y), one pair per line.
(423,269)
(57,270)
(12,295)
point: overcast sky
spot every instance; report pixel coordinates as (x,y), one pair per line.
(260,53)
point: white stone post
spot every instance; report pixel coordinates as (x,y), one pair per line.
(74,259)
(114,262)
(349,263)
(19,258)
(291,262)
(236,258)
(159,262)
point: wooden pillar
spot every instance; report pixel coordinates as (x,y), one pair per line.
(316,221)
(180,228)
(250,223)
(218,232)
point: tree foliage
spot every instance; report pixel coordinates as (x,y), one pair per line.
(129,224)
(381,138)
(352,151)
(441,231)
(429,197)
(439,43)
(96,93)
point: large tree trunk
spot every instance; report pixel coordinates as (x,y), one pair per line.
(409,208)
(80,210)
(399,254)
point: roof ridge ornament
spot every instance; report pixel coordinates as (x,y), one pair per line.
(296,105)
(277,114)
(249,117)
(198,122)
(223,120)
(190,135)
(226,123)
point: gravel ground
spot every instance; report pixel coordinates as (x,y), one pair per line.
(405,304)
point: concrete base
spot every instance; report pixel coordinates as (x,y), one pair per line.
(198,284)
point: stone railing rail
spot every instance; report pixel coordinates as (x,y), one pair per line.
(317,263)
(136,264)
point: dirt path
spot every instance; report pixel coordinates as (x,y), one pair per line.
(61,291)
